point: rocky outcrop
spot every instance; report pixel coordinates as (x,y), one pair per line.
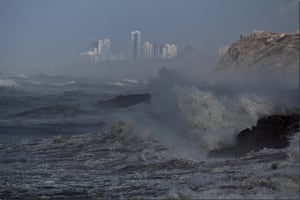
(263,50)
(270,132)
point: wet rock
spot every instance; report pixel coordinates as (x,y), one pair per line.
(270,132)
(274,166)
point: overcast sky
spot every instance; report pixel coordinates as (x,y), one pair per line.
(51,31)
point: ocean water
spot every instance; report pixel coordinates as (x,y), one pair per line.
(58,143)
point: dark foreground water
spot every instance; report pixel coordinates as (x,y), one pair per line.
(120,166)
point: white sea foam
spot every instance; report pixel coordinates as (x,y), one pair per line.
(131,81)
(124,82)
(8,83)
(293,150)
(120,84)
(210,119)
(64,84)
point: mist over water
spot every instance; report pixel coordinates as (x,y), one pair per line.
(188,115)
(82,121)
(200,107)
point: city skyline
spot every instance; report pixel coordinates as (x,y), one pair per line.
(101,50)
(38,32)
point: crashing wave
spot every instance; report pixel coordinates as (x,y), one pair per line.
(212,115)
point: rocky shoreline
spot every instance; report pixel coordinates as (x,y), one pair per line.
(274,131)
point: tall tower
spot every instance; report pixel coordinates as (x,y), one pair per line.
(136,44)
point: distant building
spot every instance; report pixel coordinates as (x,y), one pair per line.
(99,47)
(171,50)
(156,51)
(164,52)
(148,50)
(105,52)
(136,44)
(100,51)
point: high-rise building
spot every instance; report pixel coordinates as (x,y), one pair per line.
(148,50)
(156,50)
(136,44)
(99,47)
(105,52)
(171,50)
(100,51)
(164,52)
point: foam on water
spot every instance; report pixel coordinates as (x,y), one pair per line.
(159,153)
(293,150)
(216,120)
(8,83)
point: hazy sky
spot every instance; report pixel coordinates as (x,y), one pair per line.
(51,31)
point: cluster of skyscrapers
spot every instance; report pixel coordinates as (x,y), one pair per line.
(150,50)
(101,50)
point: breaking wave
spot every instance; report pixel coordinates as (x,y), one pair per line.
(158,149)
(215,121)
(209,115)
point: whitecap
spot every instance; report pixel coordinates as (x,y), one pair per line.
(8,83)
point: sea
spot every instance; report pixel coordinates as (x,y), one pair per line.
(57,141)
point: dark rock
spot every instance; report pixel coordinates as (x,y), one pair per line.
(124,101)
(270,132)
(274,166)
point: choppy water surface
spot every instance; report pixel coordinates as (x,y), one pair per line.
(57,143)
(119,165)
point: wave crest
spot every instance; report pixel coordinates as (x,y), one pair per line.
(8,83)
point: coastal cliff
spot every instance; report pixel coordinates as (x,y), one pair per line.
(263,50)
(277,53)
